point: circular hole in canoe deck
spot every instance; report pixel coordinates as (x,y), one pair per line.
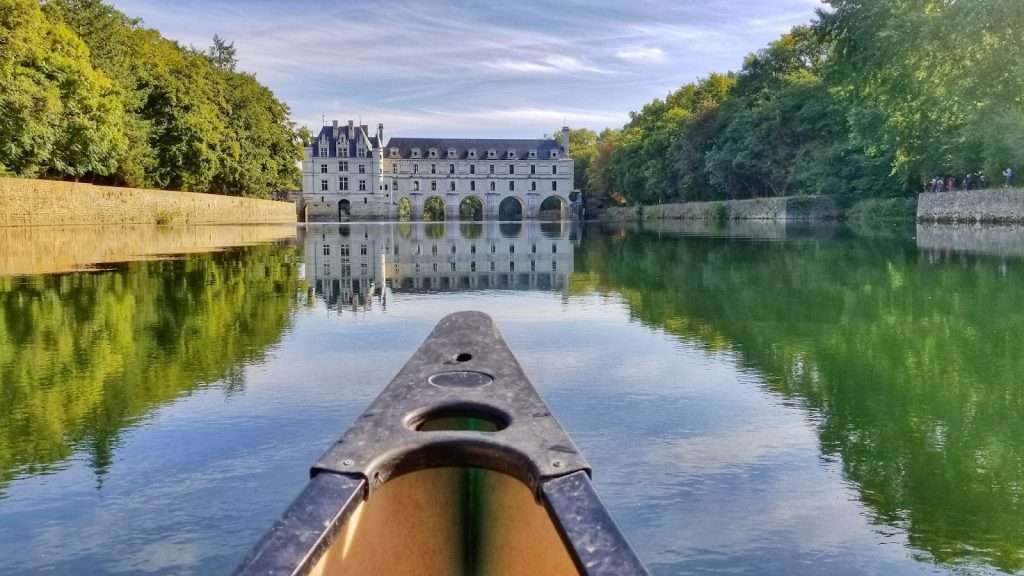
(463,357)
(460,379)
(471,418)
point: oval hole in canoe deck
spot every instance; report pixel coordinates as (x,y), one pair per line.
(460,379)
(463,357)
(471,418)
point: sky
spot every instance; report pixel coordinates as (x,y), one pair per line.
(476,69)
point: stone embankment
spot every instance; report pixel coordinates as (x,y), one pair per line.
(784,209)
(25,202)
(972,207)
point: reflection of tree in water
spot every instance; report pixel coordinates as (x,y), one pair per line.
(83,356)
(434,230)
(911,369)
(471,230)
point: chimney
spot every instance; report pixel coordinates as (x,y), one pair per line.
(380,134)
(351,131)
(334,130)
(565,139)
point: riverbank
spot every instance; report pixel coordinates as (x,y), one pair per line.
(27,202)
(784,209)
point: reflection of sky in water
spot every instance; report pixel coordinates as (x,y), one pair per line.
(704,469)
(701,468)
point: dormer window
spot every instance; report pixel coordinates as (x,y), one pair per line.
(394,152)
(415,152)
(451,152)
(533,154)
(554,153)
(492,153)
(433,152)
(323,148)
(472,154)
(511,155)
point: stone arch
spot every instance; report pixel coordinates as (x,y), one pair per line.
(471,208)
(554,207)
(511,208)
(405,208)
(344,209)
(433,209)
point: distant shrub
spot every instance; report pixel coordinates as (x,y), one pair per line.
(881,209)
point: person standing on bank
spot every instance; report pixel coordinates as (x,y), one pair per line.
(1008,173)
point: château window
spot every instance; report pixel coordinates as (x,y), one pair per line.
(554,186)
(415,152)
(416,186)
(492,168)
(433,152)
(533,154)
(394,185)
(451,168)
(433,168)
(533,168)
(533,186)
(472,266)
(343,166)
(327,249)
(533,249)
(554,153)
(511,154)
(451,186)
(554,248)
(433,185)
(492,153)
(433,250)
(511,185)
(343,183)
(472,168)
(415,168)
(394,152)
(492,186)
(511,168)
(394,168)
(451,153)
(323,185)
(472,154)
(472,248)
(554,169)
(362,168)
(361,152)
(472,185)
(323,168)
(362,249)
(362,185)
(344,250)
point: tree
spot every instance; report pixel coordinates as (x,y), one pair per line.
(222,54)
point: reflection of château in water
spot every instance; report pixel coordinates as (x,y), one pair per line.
(349,263)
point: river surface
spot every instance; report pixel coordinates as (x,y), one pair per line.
(755,399)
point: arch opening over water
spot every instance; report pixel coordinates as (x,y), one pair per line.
(471,208)
(511,209)
(433,209)
(344,209)
(553,207)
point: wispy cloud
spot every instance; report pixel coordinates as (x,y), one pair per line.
(547,65)
(641,54)
(493,70)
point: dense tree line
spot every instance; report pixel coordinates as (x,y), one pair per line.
(88,93)
(869,101)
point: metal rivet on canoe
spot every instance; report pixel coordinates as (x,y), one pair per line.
(347,462)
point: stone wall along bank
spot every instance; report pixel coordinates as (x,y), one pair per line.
(786,209)
(974,206)
(25,202)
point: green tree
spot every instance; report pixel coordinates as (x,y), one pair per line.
(58,115)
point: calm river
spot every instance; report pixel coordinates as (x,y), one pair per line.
(754,400)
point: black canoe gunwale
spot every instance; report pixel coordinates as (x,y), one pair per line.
(484,381)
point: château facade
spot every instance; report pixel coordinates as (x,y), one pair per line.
(349,173)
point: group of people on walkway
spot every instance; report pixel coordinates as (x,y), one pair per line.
(972,181)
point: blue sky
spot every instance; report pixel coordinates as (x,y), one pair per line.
(476,69)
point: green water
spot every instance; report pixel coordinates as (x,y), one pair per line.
(760,399)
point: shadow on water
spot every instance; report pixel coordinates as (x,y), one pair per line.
(84,356)
(908,360)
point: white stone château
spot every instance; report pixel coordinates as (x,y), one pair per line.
(348,173)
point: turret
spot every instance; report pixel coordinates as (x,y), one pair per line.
(565,140)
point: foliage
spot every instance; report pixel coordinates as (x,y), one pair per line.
(433,209)
(471,208)
(868,102)
(86,92)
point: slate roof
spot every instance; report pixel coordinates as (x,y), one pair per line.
(462,147)
(327,132)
